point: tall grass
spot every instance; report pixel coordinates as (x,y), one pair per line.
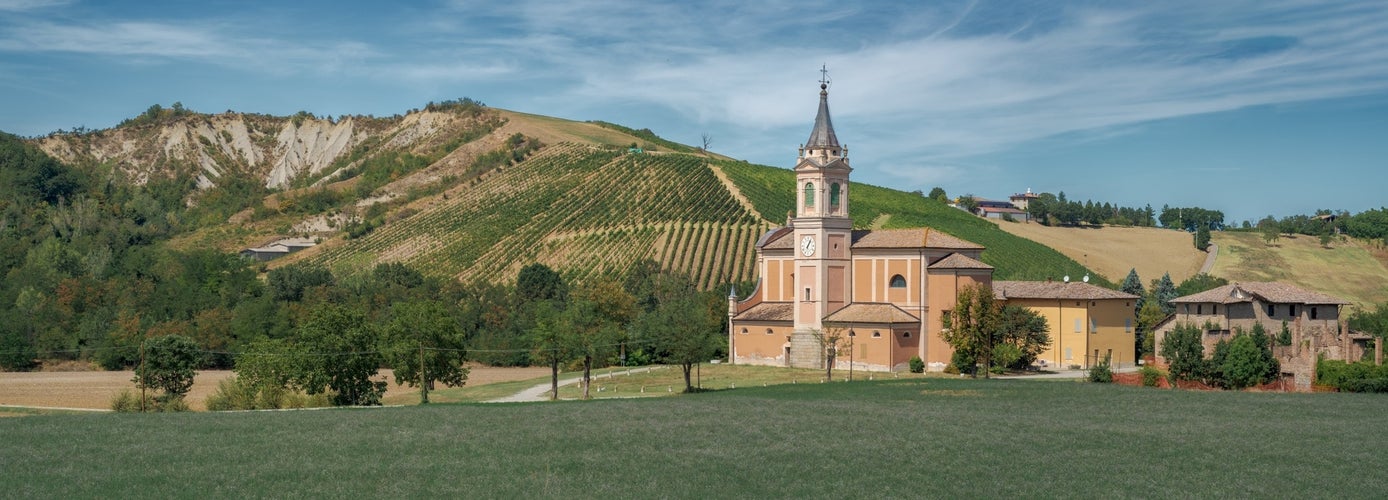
(889,438)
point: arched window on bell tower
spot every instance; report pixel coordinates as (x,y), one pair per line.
(834,196)
(809,195)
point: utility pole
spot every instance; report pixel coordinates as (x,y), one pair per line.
(423,378)
(139,375)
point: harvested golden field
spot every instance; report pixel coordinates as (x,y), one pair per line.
(1347,269)
(1113,250)
(95,389)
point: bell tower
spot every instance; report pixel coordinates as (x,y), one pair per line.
(823,233)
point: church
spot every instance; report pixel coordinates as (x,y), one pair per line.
(888,289)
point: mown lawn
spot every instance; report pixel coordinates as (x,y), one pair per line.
(887,438)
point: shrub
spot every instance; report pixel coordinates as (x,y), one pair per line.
(128,401)
(1101,373)
(951,369)
(1151,375)
(964,361)
(1007,355)
(240,393)
(917,365)
(1379,385)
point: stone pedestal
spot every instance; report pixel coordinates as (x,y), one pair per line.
(805,351)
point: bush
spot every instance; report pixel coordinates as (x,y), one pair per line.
(1379,385)
(1151,375)
(129,402)
(1101,373)
(917,365)
(239,393)
(951,369)
(964,362)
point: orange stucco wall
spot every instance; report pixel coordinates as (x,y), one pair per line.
(757,347)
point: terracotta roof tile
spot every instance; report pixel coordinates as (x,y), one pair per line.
(920,237)
(767,311)
(776,238)
(1267,291)
(1055,290)
(959,261)
(862,312)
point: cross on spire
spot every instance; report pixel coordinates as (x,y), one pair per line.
(823,77)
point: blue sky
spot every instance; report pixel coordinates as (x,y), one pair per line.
(1250,107)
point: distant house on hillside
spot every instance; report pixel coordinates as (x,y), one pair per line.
(1021,200)
(1317,329)
(278,248)
(994,209)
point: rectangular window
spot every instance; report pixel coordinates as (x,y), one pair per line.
(1093,326)
(1185,308)
(1200,309)
(1313,313)
(1291,309)
(807,294)
(1214,309)
(1077,325)
(1272,311)
(1128,325)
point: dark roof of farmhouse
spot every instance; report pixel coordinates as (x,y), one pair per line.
(767,311)
(1265,291)
(1057,290)
(871,313)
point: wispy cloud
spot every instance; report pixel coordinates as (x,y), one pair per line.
(27,5)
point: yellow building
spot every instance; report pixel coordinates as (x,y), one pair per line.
(1088,323)
(884,290)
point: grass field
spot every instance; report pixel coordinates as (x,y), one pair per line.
(1112,251)
(1346,270)
(888,438)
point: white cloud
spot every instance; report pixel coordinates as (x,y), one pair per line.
(27,5)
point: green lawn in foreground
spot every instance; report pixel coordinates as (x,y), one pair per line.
(888,438)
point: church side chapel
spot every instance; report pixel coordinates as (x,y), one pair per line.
(887,288)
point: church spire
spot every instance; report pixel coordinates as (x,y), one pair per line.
(823,134)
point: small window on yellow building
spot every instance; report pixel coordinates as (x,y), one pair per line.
(744,331)
(876,334)
(768,331)
(1077,325)
(898,281)
(1128,325)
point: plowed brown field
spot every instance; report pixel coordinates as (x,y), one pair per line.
(95,389)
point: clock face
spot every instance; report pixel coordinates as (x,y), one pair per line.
(807,246)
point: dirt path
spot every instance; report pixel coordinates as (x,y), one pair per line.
(540,392)
(1213,251)
(733,190)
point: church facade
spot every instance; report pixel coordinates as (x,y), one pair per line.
(884,292)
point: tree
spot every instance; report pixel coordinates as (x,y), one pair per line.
(340,356)
(831,339)
(589,334)
(604,310)
(1202,238)
(707,139)
(539,282)
(682,332)
(1164,291)
(548,343)
(971,327)
(170,363)
(288,283)
(938,193)
(1147,320)
(1025,331)
(1133,284)
(425,344)
(1184,353)
(1199,283)
(968,202)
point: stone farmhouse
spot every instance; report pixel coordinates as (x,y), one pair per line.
(888,289)
(1314,320)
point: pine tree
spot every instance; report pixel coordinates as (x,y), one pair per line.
(1164,291)
(1133,284)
